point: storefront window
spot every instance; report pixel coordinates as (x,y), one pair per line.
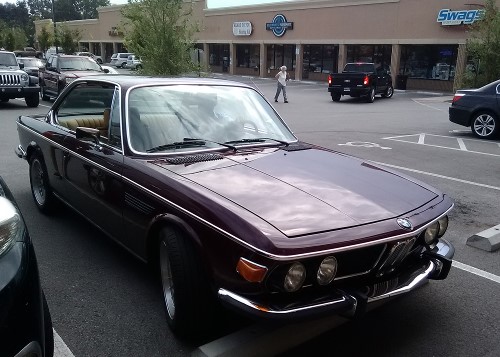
(281,55)
(247,56)
(219,54)
(378,54)
(320,59)
(429,61)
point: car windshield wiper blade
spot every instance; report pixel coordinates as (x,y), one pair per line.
(211,141)
(256,140)
(188,142)
(178,145)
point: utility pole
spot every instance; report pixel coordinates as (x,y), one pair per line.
(54,22)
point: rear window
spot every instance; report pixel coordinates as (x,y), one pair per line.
(114,55)
(359,67)
(124,55)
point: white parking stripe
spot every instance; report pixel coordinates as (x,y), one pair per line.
(437,175)
(60,348)
(461,144)
(421,139)
(476,271)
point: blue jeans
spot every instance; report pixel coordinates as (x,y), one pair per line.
(278,91)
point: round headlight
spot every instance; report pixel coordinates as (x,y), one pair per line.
(295,277)
(24,77)
(327,270)
(443,225)
(431,233)
(10,225)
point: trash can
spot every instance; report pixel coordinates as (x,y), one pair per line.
(401,81)
(225,64)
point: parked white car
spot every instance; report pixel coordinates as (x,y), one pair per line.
(133,62)
(98,59)
(119,60)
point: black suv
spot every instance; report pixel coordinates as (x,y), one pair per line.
(64,69)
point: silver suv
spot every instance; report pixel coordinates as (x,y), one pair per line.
(15,83)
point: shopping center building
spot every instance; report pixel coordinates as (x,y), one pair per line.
(422,42)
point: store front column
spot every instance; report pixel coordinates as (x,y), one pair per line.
(460,65)
(115,47)
(232,57)
(263,60)
(103,52)
(299,60)
(395,62)
(91,47)
(342,58)
(206,56)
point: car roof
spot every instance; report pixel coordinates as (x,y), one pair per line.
(126,81)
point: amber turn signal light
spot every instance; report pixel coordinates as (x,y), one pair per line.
(250,271)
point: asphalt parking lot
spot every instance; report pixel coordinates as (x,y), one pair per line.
(105,303)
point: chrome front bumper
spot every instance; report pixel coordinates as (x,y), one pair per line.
(348,303)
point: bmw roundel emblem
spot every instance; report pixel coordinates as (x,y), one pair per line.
(404,223)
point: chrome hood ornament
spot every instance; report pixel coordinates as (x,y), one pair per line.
(405,224)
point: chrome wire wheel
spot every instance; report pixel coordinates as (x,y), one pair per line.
(166,280)
(38,182)
(484,125)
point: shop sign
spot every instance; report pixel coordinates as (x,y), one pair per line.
(242,28)
(448,17)
(279,25)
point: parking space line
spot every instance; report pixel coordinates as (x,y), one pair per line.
(461,144)
(60,348)
(437,175)
(421,138)
(476,271)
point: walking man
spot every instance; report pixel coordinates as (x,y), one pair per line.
(282,77)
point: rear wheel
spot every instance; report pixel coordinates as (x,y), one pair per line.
(186,292)
(389,92)
(484,125)
(40,188)
(336,97)
(32,100)
(371,96)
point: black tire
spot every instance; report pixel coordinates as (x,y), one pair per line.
(43,95)
(49,333)
(484,125)
(32,100)
(370,98)
(186,293)
(336,97)
(389,92)
(39,182)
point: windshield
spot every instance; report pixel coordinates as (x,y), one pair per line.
(8,59)
(162,115)
(78,64)
(30,62)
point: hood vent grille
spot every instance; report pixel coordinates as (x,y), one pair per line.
(193,159)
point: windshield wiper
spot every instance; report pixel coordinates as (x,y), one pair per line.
(69,68)
(256,140)
(186,143)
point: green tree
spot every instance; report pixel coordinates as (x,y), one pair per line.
(161,33)
(483,47)
(10,41)
(68,39)
(44,39)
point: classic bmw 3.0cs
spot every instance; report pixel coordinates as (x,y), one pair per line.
(202,179)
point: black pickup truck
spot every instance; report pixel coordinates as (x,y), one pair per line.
(360,80)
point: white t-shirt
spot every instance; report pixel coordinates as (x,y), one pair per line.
(282,77)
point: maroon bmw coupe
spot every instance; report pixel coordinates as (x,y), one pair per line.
(203,179)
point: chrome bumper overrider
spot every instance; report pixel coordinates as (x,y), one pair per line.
(20,152)
(349,302)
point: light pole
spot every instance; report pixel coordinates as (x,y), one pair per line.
(54,22)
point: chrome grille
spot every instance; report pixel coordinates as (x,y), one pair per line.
(10,79)
(397,253)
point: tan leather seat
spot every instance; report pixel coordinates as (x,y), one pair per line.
(97,123)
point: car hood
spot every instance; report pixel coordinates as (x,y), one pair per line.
(308,191)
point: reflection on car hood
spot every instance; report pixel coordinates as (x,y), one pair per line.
(308,191)
(81,73)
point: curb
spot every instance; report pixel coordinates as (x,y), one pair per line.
(488,240)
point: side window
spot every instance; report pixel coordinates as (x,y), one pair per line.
(115,133)
(54,62)
(87,105)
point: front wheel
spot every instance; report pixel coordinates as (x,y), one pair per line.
(186,293)
(32,100)
(389,92)
(484,125)
(336,97)
(371,96)
(40,188)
